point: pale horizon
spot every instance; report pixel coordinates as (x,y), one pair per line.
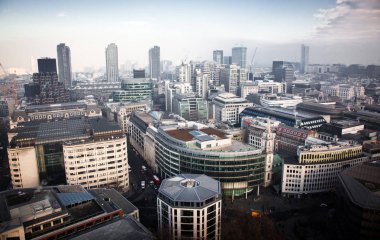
(340,31)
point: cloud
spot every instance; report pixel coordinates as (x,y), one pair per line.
(349,20)
(61,14)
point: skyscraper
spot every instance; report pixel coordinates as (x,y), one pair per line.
(218,56)
(227,60)
(283,71)
(46,65)
(154,62)
(64,64)
(112,66)
(304,57)
(239,56)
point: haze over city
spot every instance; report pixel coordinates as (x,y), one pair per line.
(338,31)
(197,119)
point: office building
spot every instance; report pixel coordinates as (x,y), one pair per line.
(227,60)
(154,63)
(121,112)
(47,65)
(189,206)
(195,148)
(283,101)
(183,73)
(345,92)
(64,65)
(112,63)
(239,56)
(317,167)
(50,112)
(190,107)
(39,143)
(68,212)
(286,116)
(261,86)
(340,128)
(288,139)
(358,200)
(138,73)
(134,89)
(229,78)
(217,56)
(283,71)
(97,163)
(304,58)
(201,83)
(227,107)
(260,133)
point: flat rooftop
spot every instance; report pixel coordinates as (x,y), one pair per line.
(126,228)
(185,134)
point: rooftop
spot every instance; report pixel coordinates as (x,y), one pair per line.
(122,228)
(362,184)
(190,188)
(187,135)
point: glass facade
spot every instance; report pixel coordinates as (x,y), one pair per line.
(238,171)
(134,91)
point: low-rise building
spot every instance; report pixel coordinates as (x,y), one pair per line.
(227,107)
(290,117)
(64,212)
(51,112)
(289,138)
(121,112)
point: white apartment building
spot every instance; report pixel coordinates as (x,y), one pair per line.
(97,164)
(23,167)
(261,134)
(227,107)
(189,206)
(317,167)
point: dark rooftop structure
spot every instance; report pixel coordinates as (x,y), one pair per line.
(126,228)
(359,199)
(289,117)
(62,211)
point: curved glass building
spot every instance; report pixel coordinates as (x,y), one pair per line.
(239,167)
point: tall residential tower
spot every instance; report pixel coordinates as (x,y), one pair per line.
(112,66)
(64,64)
(304,57)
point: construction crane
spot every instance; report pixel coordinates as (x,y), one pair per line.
(9,86)
(251,65)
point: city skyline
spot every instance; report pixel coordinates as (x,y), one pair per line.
(337,31)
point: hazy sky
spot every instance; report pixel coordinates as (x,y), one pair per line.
(337,31)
